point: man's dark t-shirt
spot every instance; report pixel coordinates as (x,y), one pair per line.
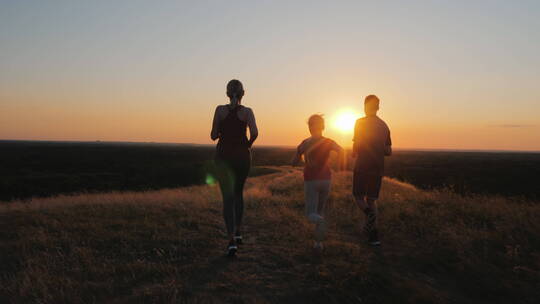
(371,136)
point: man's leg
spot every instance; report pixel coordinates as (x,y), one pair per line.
(371,219)
(366,188)
(359,189)
(360,192)
(365,205)
(361,202)
(373,189)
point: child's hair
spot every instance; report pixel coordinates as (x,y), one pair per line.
(371,98)
(316,119)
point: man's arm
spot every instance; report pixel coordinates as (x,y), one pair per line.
(388,146)
(252,124)
(214,134)
(355,139)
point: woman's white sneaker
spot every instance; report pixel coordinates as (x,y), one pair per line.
(231,249)
(238,239)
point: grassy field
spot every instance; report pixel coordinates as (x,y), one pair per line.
(40,169)
(34,168)
(501,173)
(167,246)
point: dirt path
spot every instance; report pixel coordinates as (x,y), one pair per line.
(276,262)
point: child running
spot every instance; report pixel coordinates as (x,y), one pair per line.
(316,150)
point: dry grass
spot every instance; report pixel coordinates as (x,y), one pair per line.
(168,245)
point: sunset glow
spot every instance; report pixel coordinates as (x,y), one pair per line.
(148,72)
(344,121)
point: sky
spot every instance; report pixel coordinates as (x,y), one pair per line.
(449,74)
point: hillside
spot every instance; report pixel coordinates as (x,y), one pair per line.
(168,246)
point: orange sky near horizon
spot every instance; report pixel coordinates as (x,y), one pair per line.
(173,122)
(133,71)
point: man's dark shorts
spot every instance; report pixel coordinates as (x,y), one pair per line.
(366,184)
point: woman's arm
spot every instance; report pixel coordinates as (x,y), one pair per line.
(252,124)
(214,134)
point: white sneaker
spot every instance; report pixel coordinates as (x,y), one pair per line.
(238,239)
(231,249)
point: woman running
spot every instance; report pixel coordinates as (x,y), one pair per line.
(233,158)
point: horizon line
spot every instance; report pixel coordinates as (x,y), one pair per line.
(264,146)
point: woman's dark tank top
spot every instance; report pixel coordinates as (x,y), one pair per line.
(233,141)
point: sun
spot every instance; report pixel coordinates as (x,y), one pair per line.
(344,121)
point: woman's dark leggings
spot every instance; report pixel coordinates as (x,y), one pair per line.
(232,174)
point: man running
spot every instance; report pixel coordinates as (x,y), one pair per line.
(371,144)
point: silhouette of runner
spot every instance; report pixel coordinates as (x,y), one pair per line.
(233,158)
(371,144)
(317,175)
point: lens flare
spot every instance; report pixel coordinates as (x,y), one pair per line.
(344,121)
(210,180)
